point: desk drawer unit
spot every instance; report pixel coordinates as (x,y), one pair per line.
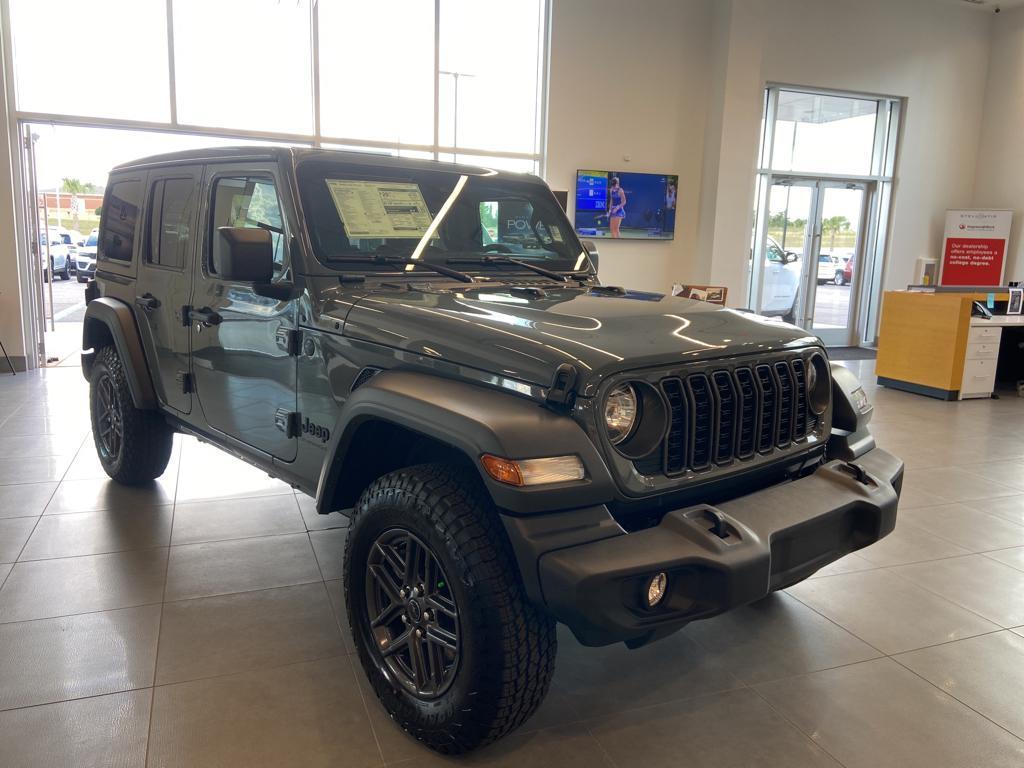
(983,350)
(979,378)
(981,333)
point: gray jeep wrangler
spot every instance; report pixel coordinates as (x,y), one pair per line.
(427,348)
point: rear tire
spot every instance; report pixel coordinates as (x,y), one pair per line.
(496,672)
(66,274)
(134,446)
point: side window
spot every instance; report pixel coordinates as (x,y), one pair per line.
(249,202)
(775,253)
(120,216)
(169,214)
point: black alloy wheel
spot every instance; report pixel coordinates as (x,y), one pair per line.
(412,614)
(110,425)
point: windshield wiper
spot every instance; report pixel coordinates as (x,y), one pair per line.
(485,259)
(381,258)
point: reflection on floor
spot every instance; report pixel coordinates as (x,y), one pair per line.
(200,622)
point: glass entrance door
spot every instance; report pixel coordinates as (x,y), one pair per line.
(831,273)
(782,251)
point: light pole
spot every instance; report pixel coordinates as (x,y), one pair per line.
(455,116)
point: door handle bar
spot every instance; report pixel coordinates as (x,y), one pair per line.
(206,316)
(147,301)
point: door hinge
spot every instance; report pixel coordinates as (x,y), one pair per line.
(290,340)
(185,382)
(289,422)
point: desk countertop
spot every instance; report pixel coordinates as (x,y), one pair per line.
(981,322)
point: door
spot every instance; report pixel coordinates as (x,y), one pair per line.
(243,345)
(784,247)
(832,286)
(164,282)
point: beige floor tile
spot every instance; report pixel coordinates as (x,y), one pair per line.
(99,731)
(953,484)
(880,715)
(329,547)
(777,637)
(76,656)
(989,588)
(889,612)
(207,472)
(600,681)
(737,728)
(19,470)
(94,533)
(245,631)
(986,673)
(336,592)
(847,564)
(5,569)
(14,532)
(223,567)
(966,527)
(1013,556)
(911,497)
(1009,507)
(104,493)
(26,500)
(30,446)
(44,588)
(235,519)
(308,714)
(1009,473)
(909,543)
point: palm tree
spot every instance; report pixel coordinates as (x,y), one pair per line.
(75,187)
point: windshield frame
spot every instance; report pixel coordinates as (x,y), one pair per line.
(450,188)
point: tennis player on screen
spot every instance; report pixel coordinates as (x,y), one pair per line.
(616,206)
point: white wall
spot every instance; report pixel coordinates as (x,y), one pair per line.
(11,331)
(631,79)
(679,86)
(1000,179)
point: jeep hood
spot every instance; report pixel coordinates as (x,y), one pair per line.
(526,335)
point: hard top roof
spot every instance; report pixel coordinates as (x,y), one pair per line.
(299,155)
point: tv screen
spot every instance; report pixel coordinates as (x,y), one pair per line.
(624,204)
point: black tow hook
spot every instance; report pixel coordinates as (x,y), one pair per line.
(856,471)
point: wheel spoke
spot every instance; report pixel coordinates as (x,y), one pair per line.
(419,664)
(386,581)
(443,638)
(397,644)
(444,604)
(394,562)
(387,615)
(412,556)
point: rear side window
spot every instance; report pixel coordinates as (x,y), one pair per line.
(170,214)
(120,217)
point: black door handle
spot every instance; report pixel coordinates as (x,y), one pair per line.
(147,301)
(206,316)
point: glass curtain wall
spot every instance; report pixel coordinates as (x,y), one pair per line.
(407,77)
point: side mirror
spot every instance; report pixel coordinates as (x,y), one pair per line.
(591,248)
(243,255)
(791,257)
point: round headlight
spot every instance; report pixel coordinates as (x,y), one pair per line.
(819,387)
(620,412)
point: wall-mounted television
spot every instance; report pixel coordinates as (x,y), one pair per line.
(627,205)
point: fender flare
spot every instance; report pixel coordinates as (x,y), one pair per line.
(119,321)
(473,420)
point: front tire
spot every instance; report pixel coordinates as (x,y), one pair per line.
(483,658)
(839,279)
(134,446)
(66,274)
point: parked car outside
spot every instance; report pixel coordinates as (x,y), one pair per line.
(781,282)
(827,266)
(60,258)
(86,258)
(844,276)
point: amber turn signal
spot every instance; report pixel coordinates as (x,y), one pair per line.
(552,469)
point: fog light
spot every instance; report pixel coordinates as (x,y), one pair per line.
(656,589)
(552,469)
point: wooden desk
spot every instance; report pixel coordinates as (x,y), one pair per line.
(923,341)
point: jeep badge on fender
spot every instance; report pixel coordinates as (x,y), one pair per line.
(515,444)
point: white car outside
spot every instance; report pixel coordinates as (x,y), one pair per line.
(85,260)
(781,282)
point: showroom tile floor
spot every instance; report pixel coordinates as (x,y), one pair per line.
(200,622)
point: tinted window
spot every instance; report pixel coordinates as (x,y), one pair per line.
(92,240)
(169,217)
(120,216)
(249,202)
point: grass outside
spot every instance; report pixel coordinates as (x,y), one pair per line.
(85,223)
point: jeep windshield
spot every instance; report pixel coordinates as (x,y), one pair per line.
(378,217)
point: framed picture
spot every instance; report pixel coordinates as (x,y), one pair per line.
(713,294)
(1016,300)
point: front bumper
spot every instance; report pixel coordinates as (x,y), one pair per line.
(765,541)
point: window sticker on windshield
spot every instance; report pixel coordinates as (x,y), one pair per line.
(384,209)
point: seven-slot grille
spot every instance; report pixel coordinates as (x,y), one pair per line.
(721,415)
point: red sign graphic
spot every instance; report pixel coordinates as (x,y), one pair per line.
(973,260)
